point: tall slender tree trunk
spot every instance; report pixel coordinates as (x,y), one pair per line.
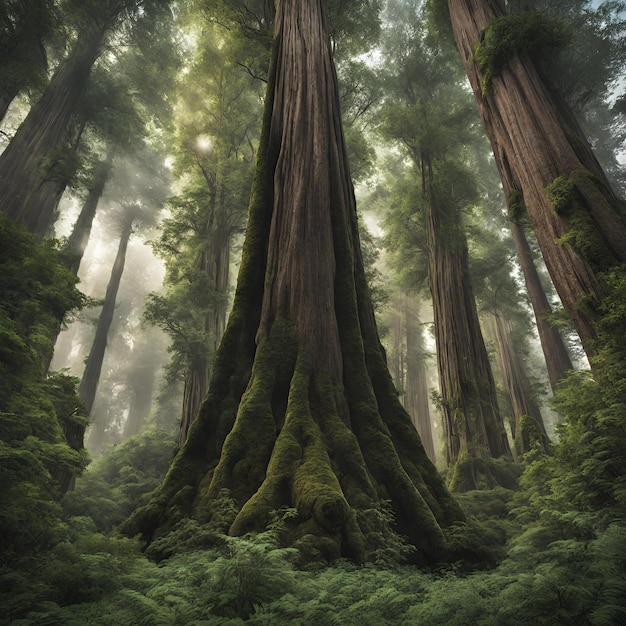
(79,237)
(301,410)
(542,153)
(29,167)
(416,379)
(528,425)
(76,245)
(215,262)
(557,358)
(474,430)
(396,358)
(93,368)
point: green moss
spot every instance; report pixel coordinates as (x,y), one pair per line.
(567,201)
(530,435)
(511,35)
(561,195)
(516,206)
(299,471)
(247,449)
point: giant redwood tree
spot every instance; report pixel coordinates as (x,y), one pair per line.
(301,411)
(543,155)
(40,159)
(427,117)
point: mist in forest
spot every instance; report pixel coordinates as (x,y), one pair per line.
(312,312)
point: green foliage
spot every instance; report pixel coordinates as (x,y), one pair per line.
(560,193)
(121,479)
(516,206)
(508,36)
(41,418)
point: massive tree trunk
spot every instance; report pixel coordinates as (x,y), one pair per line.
(473,428)
(528,425)
(542,153)
(557,358)
(301,411)
(93,368)
(416,381)
(34,166)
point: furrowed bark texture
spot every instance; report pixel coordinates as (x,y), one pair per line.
(30,186)
(529,427)
(473,428)
(541,151)
(557,358)
(301,411)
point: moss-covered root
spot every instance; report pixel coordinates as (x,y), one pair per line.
(248,447)
(531,434)
(300,475)
(472,472)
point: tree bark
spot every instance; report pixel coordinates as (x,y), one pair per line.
(541,152)
(528,425)
(416,381)
(215,262)
(301,411)
(557,358)
(31,168)
(93,368)
(473,428)
(79,237)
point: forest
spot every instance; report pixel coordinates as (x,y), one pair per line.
(312,312)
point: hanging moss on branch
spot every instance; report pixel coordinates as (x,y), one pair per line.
(507,36)
(301,413)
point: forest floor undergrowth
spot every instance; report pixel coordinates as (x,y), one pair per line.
(547,569)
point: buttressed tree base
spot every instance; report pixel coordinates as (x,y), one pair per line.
(301,411)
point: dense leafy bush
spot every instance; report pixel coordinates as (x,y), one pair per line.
(41,417)
(121,479)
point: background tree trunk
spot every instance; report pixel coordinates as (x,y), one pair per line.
(79,237)
(215,262)
(93,368)
(540,150)
(557,358)
(301,410)
(529,427)
(416,380)
(34,163)
(473,427)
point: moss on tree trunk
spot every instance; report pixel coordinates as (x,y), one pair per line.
(542,153)
(301,411)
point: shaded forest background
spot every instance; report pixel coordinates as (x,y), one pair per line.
(130,132)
